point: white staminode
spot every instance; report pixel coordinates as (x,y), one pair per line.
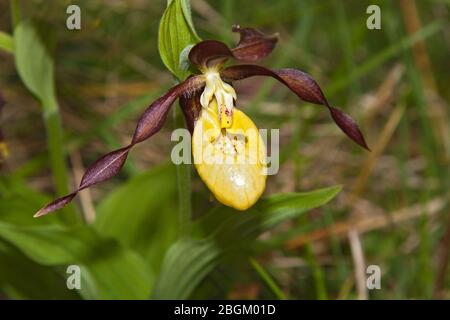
(223,92)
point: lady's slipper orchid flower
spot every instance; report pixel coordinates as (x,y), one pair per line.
(228,151)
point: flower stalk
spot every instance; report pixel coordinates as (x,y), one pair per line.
(183,172)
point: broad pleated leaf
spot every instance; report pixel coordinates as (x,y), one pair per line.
(33,61)
(18,199)
(176,32)
(224,231)
(23,278)
(305,87)
(107,270)
(141,214)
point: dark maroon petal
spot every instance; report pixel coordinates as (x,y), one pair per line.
(244,71)
(105,167)
(154,116)
(150,122)
(190,104)
(304,87)
(349,126)
(209,53)
(253,45)
(55,205)
(299,82)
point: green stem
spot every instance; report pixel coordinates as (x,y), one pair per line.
(184,198)
(52,122)
(15,12)
(53,127)
(184,189)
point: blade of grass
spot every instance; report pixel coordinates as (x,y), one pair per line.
(337,250)
(429,146)
(318,275)
(422,63)
(299,36)
(265,276)
(317,272)
(345,33)
(381,57)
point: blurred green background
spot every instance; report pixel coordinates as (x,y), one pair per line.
(393,210)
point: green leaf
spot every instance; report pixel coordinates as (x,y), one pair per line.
(18,201)
(6,42)
(186,7)
(22,278)
(35,67)
(108,271)
(34,62)
(141,214)
(176,32)
(224,230)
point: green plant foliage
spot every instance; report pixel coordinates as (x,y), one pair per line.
(6,42)
(17,200)
(139,245)
(36,69)
(141,214)
(22,278)
(265,276)
(108,271)
(224,231)
(176,32)
(34,62)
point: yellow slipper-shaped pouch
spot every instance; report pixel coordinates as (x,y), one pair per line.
(231,161)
